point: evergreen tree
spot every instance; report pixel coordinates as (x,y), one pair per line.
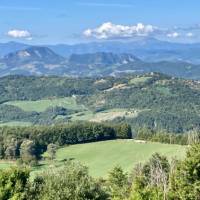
(118,184)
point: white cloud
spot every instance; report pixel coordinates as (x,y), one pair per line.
(173,35)
(23,34)
(109,30)
(189,34)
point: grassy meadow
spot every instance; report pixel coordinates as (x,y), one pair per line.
(83,114)
(42,105)
(101,157)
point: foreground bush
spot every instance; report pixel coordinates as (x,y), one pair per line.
(71,182)
(150,181)
(185,181)
(14,184)
(118,185)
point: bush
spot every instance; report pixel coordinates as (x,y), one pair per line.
(13,184)
(71,182)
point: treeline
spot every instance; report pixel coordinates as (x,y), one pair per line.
(188,138)
(157,179)
(35,139)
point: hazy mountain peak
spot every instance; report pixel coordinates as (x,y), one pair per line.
(33,54)
(102,58)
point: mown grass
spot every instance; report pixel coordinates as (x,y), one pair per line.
(101,157)
(42,105)
(139,80)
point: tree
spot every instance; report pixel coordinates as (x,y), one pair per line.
(118,184)
(51,150)
(123,131)
(1,150)
(12,149)
(28,152)
(185,182)
(71,182)
(13,184)
(193,137)
(151,180)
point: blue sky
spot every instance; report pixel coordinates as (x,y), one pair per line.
(71,21)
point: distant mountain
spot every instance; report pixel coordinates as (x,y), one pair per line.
(104,64)
(147,49)
(44,61)
(32,54)
(176,69)
(33,60)
(6,48)
(102,58)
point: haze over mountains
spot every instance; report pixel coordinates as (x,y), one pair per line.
(102,58)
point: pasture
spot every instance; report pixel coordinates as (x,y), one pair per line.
(101,157)
(42,105)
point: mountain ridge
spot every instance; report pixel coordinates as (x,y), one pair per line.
(44,61)
(147,49)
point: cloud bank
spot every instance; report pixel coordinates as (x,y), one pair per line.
(19,34)
(173,35)
(110,31)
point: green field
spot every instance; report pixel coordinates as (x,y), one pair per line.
(139,80)
(101,157)
(107,115)
(15,123)
(42,105)
(83,113)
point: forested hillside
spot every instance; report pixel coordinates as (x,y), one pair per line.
(153,100)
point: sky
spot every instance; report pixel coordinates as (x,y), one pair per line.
(75,21)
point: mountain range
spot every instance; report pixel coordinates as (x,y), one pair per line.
(101,59)
(147,49)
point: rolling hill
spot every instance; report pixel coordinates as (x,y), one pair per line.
(152,100)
